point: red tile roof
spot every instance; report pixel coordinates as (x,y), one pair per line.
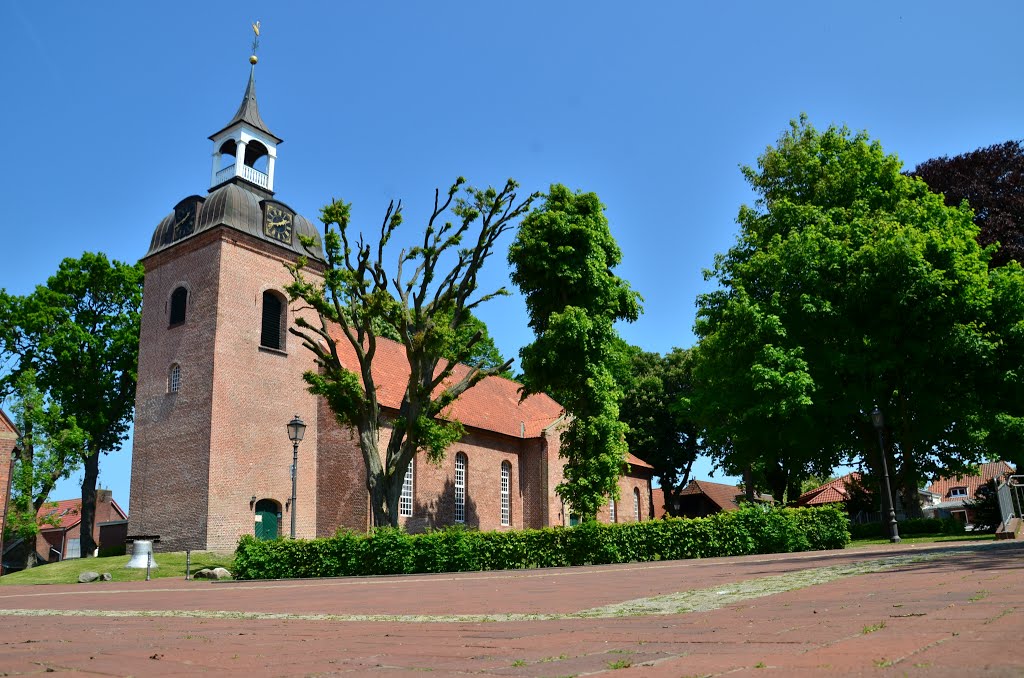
(68,513)
(830,493)
(6,425)
(723,496)
(658,499)
(986,472)
(637,462)
(492,404)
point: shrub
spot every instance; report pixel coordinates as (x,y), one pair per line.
(752,529)
(908,528)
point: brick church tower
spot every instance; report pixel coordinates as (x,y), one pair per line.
(219,377)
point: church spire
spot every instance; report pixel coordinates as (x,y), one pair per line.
(246,138)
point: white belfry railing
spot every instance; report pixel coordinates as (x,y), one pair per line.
(255,176)
(252,174)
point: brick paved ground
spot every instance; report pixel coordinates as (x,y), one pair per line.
(951,610)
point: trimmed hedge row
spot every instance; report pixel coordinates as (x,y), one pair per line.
(910,526)
(752,529)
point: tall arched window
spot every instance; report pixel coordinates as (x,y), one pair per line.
(506,494)
(174,378)
(272,333)
(611,510)
(636,504)
(405,500)
(460,487)
(179,300)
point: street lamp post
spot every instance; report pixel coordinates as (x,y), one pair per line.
(296,430)
(878,419)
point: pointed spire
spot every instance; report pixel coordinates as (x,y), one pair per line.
(249,111)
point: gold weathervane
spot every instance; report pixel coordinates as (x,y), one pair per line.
(255,42)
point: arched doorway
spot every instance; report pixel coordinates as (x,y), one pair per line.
(267,514)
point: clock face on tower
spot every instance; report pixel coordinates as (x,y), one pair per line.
(184,220)
(278,223)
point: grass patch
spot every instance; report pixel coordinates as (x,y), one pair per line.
(621,664)
(66,572)
(871,628)
(925,539)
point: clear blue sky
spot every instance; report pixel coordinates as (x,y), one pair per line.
(653,106)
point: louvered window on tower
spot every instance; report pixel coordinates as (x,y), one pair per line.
(179,299)
(273,321)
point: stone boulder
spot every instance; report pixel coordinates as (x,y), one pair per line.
(214,573)
(86,577)
(105,576)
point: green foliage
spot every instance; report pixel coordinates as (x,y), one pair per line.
(562,260)
(80,334)
(752,529)
(852,285)
(356,300)
(908,527)
(660,432)
(50,448)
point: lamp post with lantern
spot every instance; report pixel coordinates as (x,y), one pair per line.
(296,430)
(878,419)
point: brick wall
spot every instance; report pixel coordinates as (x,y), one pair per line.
(170,464)
(257,391)
(201,454)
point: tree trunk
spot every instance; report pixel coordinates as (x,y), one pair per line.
(92,472)
(30,557)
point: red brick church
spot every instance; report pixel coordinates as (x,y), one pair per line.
(219,378)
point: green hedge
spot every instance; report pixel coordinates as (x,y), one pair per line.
(752,529)
(908,527)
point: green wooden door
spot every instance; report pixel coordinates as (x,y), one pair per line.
(266,519)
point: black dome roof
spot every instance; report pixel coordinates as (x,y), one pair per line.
(236,206)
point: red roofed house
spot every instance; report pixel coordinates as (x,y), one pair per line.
(220,377)
(832,492)
(702,498)
(59,536)
(953,492)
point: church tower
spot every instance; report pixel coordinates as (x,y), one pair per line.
(219,377)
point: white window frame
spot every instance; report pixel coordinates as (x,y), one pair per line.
(611,510)
(636,504)
(460,487)
(74,549)
(506,495)
(405,499)
(958,491)
(174,378)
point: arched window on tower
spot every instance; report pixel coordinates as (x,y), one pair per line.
(179,302)
(460,487)
(636,504)
(272,332)
(611,510)
(174,378)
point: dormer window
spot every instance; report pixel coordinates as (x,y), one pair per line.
(958,492)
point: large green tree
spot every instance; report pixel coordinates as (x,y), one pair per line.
(660,433)
(852,285)
(358,300)
(562,260)
(50,449)
(991,180)
(80,334)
